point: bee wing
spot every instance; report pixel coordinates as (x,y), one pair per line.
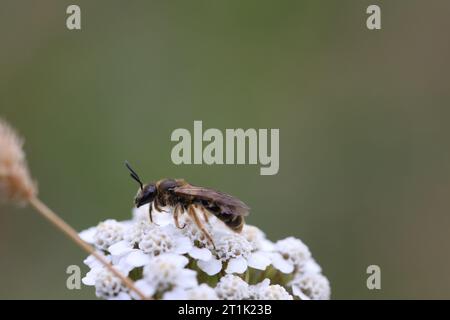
(237,206)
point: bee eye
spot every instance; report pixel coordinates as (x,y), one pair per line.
(149,192)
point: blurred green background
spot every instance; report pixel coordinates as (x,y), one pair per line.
(363,115)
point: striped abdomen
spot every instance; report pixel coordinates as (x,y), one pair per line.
(235,223)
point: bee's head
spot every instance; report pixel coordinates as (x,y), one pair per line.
(146,193)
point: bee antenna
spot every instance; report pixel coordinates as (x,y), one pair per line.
(134,175)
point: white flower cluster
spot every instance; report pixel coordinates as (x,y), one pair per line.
(171,263)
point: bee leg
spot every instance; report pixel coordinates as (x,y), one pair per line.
(176,213)
(205,214)
(193,214)
(158,207)
(150,212)
(150,208)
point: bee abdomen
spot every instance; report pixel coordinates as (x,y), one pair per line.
(225,214)
(233,222)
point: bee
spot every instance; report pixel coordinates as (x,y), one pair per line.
(182,197)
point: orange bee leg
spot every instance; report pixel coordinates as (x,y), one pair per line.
(205,214)
(193,214)
(176,213)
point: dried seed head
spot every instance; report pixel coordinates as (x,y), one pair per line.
(15,182)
